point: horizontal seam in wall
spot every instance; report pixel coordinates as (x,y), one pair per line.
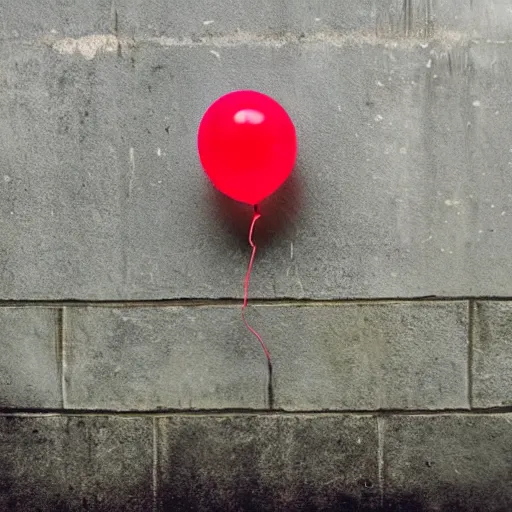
(255,412)
(229,301)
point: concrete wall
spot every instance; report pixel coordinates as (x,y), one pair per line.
(127,379)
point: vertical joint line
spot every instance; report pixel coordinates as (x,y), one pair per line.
(471,326)
(270,388)
(61,354)
(380,457)
(155,465)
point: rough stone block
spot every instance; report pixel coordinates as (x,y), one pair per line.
(75,463)
(169,357)
(268,463)
(29,358)
(367,356)
(401,189)
(448,463)
(492,354)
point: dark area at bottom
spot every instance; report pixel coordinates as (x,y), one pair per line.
(260,462)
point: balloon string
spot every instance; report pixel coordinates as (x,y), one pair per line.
(256,216)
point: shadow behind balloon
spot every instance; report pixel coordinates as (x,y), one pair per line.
(279,212)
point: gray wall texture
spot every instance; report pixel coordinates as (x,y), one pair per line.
(127,378)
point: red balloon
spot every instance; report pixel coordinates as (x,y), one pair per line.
(247,145)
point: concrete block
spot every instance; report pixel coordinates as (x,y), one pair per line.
(33,20)
(174,357)
(29,358)
(141,19)
(456,462)
(388,18)
(492,354)
(268,463)
(75,463)
(401,189)
(367,356)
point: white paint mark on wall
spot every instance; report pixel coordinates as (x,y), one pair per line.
(87,46)
(95,44)
(216,54)
(208,22)
(429,63)
(452,202)
(291,250)
(476,103)
(159,152)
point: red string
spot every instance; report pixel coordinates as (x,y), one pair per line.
(247,279)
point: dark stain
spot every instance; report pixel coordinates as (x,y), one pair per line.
(248,495)
(407,12)
(251,496)
(430,19)
(116,32)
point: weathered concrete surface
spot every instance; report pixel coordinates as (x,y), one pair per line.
(75,463)
(149,358)
(392,18)
(29,358)
(268,17)
(28,20)
(492,354)
(367,356)
(475,19)
(268,463)
(448,463)
(358,356)
(402,188)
